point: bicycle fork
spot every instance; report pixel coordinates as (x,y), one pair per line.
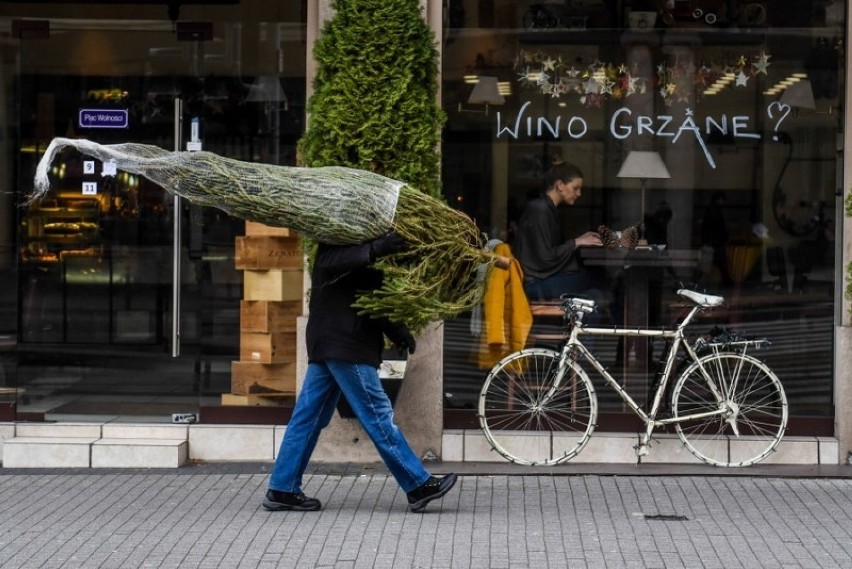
(556,384)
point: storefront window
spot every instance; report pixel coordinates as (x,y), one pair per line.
(95,300)
(742,110)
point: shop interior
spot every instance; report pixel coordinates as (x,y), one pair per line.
(740,103)
(93,261)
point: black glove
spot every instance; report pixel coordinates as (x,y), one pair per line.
(400,335)
(387,244)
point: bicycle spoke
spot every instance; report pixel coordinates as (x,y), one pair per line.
(734,379)
(524,396)
(754,407)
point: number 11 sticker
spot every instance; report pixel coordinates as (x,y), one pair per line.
(90,188)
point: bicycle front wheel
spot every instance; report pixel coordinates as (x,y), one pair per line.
(745,409)
(531,413)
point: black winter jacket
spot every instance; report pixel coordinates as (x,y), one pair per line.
(335,330)
(540,245)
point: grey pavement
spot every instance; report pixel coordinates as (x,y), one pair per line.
(210,516)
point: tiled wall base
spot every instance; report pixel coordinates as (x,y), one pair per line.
(93,445)
(7,431)
(120,445)
(471,446)
(127,445)
(139,453)
(221,443)
(48,452)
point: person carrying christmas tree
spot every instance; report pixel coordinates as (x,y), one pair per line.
(344,353)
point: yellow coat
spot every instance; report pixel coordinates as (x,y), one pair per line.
(506,313)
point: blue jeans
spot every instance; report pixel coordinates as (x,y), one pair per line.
(324,381)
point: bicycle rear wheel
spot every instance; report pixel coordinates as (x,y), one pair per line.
(530,418)
(754,405)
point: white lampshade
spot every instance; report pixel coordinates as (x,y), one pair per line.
(486,92)
(799,95)
(643,164)
(266,89)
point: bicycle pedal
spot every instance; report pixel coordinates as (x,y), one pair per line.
(641,450)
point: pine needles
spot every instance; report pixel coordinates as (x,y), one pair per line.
(433,279)
(436,276)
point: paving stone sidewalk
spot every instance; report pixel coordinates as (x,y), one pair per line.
(208,517)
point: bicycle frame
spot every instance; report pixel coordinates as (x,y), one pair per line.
(574,346)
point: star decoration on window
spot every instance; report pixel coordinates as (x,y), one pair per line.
(762,63)
(592,86)
(631,84)
(596,81)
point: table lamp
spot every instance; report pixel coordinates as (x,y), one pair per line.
(643,164)
(487,92)
(799,95)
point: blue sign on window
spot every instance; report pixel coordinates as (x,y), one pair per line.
(103,118)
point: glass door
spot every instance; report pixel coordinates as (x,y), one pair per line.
(96,257)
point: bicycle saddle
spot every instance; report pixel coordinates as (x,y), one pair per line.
(701,299)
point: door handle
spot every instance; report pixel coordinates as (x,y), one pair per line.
(177,238)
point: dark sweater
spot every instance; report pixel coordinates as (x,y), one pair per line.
(539,245)
(335,330)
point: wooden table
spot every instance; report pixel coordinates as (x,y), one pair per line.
(653,257)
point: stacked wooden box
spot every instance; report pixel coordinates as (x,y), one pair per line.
(272,262)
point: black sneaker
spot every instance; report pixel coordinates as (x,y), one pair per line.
(276,500)
(433,489)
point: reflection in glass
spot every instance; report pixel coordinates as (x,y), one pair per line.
(751,154)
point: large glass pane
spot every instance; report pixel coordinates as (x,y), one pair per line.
(742,109)
(95,284)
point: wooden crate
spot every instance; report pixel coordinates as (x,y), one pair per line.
(269,316)
(263,252)
(252,378)
(268,348)
(271,400)
(255,228)
(273,285)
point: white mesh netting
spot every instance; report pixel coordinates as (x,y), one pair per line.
(334,205)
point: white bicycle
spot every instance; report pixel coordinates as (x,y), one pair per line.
(721,393)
